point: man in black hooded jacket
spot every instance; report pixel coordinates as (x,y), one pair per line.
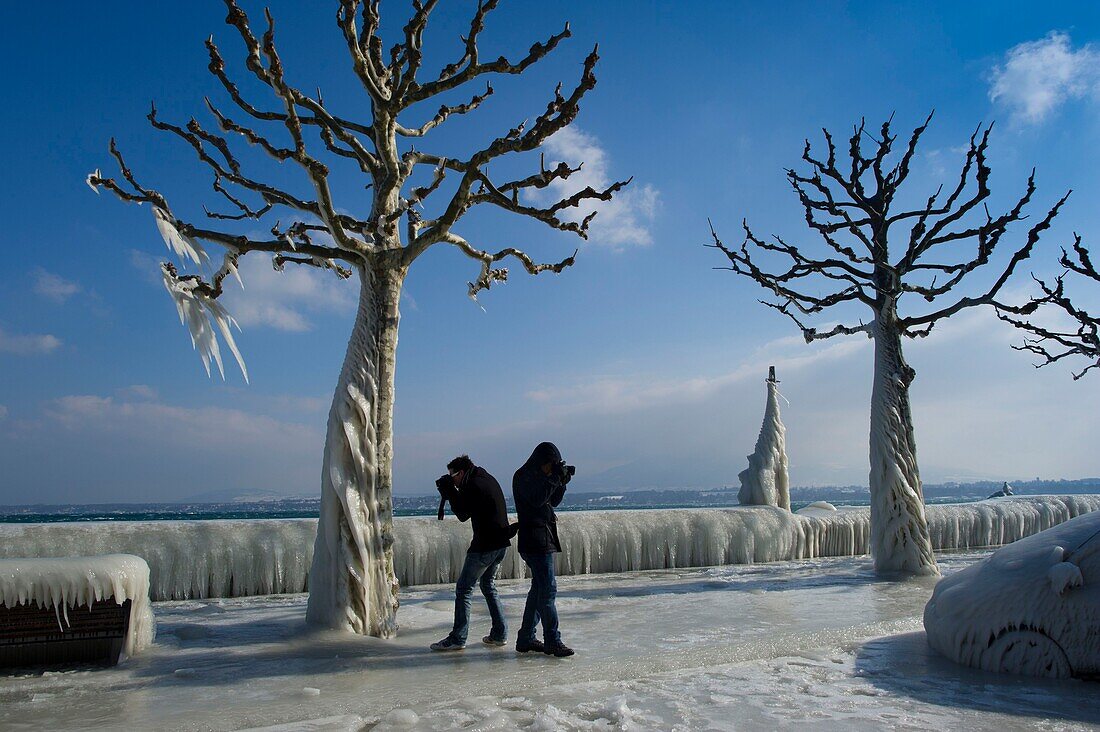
(475,495)
(537,487)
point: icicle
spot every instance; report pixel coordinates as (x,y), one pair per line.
(58,582)
(192,559)
(229,265)
(183,246)
(200,314)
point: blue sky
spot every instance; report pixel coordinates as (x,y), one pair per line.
(641,362)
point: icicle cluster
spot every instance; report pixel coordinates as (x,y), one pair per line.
(79,581)
(184,247)
(190,559)
(202,315)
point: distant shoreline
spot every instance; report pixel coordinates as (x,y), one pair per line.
(292,508)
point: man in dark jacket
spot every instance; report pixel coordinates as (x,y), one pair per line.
(475,495)
(538,486)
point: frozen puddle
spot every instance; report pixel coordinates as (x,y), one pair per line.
(747,646)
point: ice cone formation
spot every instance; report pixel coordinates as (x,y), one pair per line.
(764,482)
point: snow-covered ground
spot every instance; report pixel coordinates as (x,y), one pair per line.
(781,645)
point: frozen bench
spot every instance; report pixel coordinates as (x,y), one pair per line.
(74,610)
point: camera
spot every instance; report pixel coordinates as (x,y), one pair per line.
(564,472)
(443,483)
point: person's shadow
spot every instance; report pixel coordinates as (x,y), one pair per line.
(904,665)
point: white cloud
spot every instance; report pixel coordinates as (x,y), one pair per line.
(607,394)
(622,221)
(130,447)
(53,287)
(1039,76)
(138,391)
(282,300)
(27,345)
(980,410)
(286,300)
(148,265)
(186,429)
(3,412)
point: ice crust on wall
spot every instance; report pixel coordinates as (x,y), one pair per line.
(68,583)
(1031,608)
(187,559)
(197,559)
(765,481)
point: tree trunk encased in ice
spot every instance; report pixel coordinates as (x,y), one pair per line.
(948,237)
(899,531)
(352,583)
(765,482)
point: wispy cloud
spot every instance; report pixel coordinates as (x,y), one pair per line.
(172,451)
(27,345)
(286,300)
(624,220)
(1037,77)
(185,428)
(54,287)
(138,391)
(614,394)
(3,412)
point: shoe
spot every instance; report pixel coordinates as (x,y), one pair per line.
(491,641)
(535,645)
(560,650)
(447,644)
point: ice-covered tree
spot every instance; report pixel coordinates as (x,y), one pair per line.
(1048,342)
(374,233)
(765,481)
(872,256)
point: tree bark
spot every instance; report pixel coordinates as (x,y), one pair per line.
(900,542)
(352,584)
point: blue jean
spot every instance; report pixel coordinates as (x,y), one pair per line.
(540,601)
(483,566)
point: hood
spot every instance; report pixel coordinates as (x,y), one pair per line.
(546,452)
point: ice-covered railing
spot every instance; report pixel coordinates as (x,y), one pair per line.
(68,583)
(186,558)
(253,557)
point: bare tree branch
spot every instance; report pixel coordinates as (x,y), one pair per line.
(279,132)
(856,203)
(1053,345)
(489,275)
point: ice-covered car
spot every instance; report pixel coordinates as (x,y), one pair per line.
(1032,607)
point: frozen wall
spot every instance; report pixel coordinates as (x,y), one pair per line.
(68,583)
(1031,608)
(233,558)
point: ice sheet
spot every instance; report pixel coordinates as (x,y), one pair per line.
(203,559)
(818,642)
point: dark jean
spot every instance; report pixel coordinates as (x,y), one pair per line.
(483,566)
(540,601)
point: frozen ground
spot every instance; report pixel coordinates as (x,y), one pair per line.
(747,646)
